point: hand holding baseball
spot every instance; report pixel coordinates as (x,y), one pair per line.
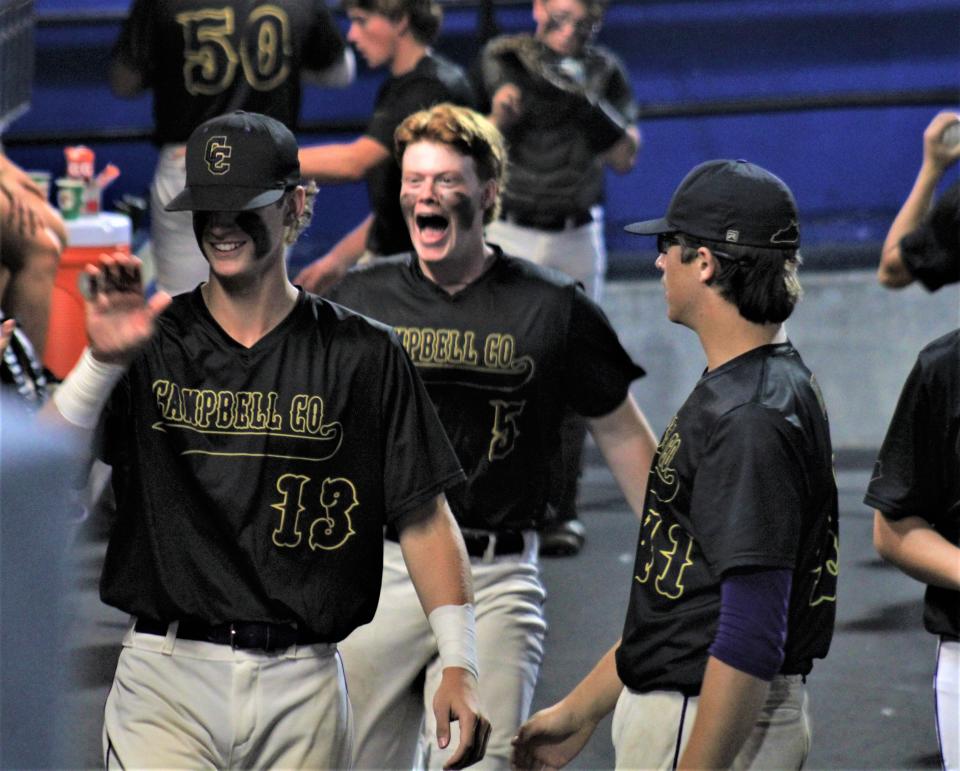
(936,152)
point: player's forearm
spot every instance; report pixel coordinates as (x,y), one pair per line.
(893,273)
(436,557)
(335,163)
(349,249)
(628,445)
(596,695)
(730,702)
(918,550)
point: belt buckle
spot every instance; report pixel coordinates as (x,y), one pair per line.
(233,637)
(491,551)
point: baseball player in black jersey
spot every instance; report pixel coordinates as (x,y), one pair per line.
(395,34)
(204,58)
(915,494)
(734,585)
(261,438)
(504,347)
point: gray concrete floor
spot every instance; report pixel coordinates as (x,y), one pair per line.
(871,699)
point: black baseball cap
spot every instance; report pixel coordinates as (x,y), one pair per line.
(238,161)
(733,202)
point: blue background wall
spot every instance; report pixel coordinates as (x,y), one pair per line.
(832,95)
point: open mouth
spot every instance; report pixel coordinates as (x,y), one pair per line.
(432,223)
(432,226)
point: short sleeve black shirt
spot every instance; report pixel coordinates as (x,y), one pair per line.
(203,58)
(501,360)
(432,81)
(918,470)
(254,483)
(742,478)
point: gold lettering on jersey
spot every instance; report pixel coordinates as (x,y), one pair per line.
(453,356)
(439,346)
(666,555)
(288,533)
(498,350)
(306,416)
(328,531)
(825,575)
(503,435)
(211,411)
(331,531)
(211,58)
(666,483)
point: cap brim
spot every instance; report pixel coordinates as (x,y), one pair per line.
(650,227)
(221,198)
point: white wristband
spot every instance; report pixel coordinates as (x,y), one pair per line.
(455,628)
(85,390)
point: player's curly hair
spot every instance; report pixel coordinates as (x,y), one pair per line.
(467,131)
(762,283)
(425,16)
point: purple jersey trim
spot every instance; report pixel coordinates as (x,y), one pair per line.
(752,629)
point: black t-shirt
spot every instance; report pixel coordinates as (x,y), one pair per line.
(917,473)
(742,478)
(501,360)
(432,81)
(204,58)
(932,251)
(555,166)
(254,484)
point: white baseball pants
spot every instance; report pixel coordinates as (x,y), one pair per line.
(580,252)
(188,704)
(178,261)
(393,670)
(947,687)
(650,730)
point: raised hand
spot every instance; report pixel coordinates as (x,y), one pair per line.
(119,320)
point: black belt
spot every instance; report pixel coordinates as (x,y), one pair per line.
(481,544)
(248,635)
(549,222)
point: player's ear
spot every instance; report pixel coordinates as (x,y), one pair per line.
(539,12)
(296,201)
(488,194)
(706,264)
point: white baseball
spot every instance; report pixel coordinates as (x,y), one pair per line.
(951,135)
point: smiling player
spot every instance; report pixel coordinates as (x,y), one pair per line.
(261,438)
(504,347)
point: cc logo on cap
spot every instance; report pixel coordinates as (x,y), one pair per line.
(217,155)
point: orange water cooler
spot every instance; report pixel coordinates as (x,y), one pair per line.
(88,238)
